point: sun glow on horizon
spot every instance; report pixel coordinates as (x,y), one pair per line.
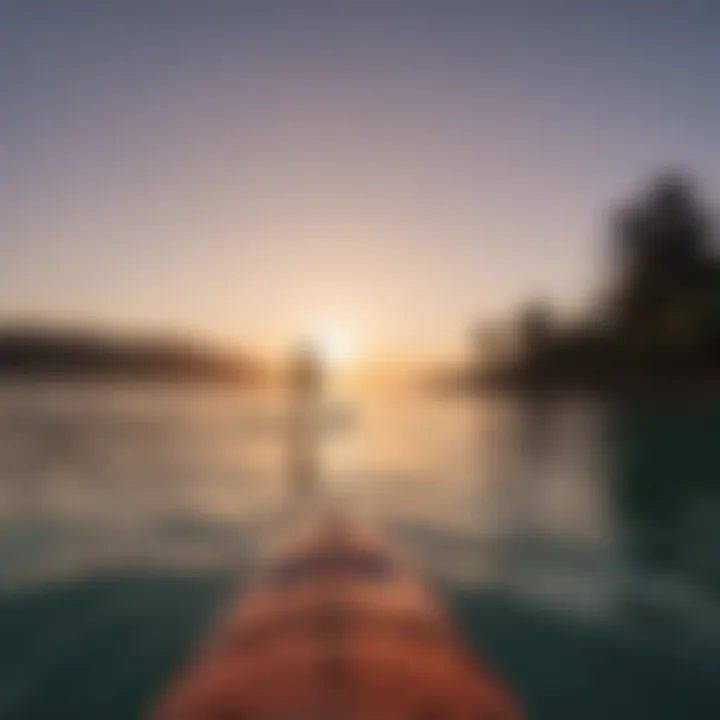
(336,344)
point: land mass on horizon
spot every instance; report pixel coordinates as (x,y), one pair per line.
(656,325)
(47,352)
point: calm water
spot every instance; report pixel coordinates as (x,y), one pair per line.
(577,545)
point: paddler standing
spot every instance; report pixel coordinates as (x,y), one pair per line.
(306,381)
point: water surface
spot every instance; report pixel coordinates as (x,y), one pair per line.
(575,543)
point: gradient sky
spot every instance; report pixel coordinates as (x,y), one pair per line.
(249,171)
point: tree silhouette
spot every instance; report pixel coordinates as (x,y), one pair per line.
(666,270)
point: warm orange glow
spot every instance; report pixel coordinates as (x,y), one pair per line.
(336,344)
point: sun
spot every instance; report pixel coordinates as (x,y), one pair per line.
(336,344)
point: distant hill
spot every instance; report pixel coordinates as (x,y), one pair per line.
(42,352)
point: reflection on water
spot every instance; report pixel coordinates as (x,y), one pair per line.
(575,543)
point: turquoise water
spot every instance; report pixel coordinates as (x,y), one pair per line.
(576,545)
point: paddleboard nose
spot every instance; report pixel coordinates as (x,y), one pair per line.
(336,626)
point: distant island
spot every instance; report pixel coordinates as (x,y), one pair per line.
(34,352)
(655,327)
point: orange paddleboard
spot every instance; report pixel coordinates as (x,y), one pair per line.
(336,627)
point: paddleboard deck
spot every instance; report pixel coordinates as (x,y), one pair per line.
(337,626)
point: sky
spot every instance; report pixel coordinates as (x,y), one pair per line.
(252,171)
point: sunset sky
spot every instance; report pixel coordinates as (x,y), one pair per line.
(253,171)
